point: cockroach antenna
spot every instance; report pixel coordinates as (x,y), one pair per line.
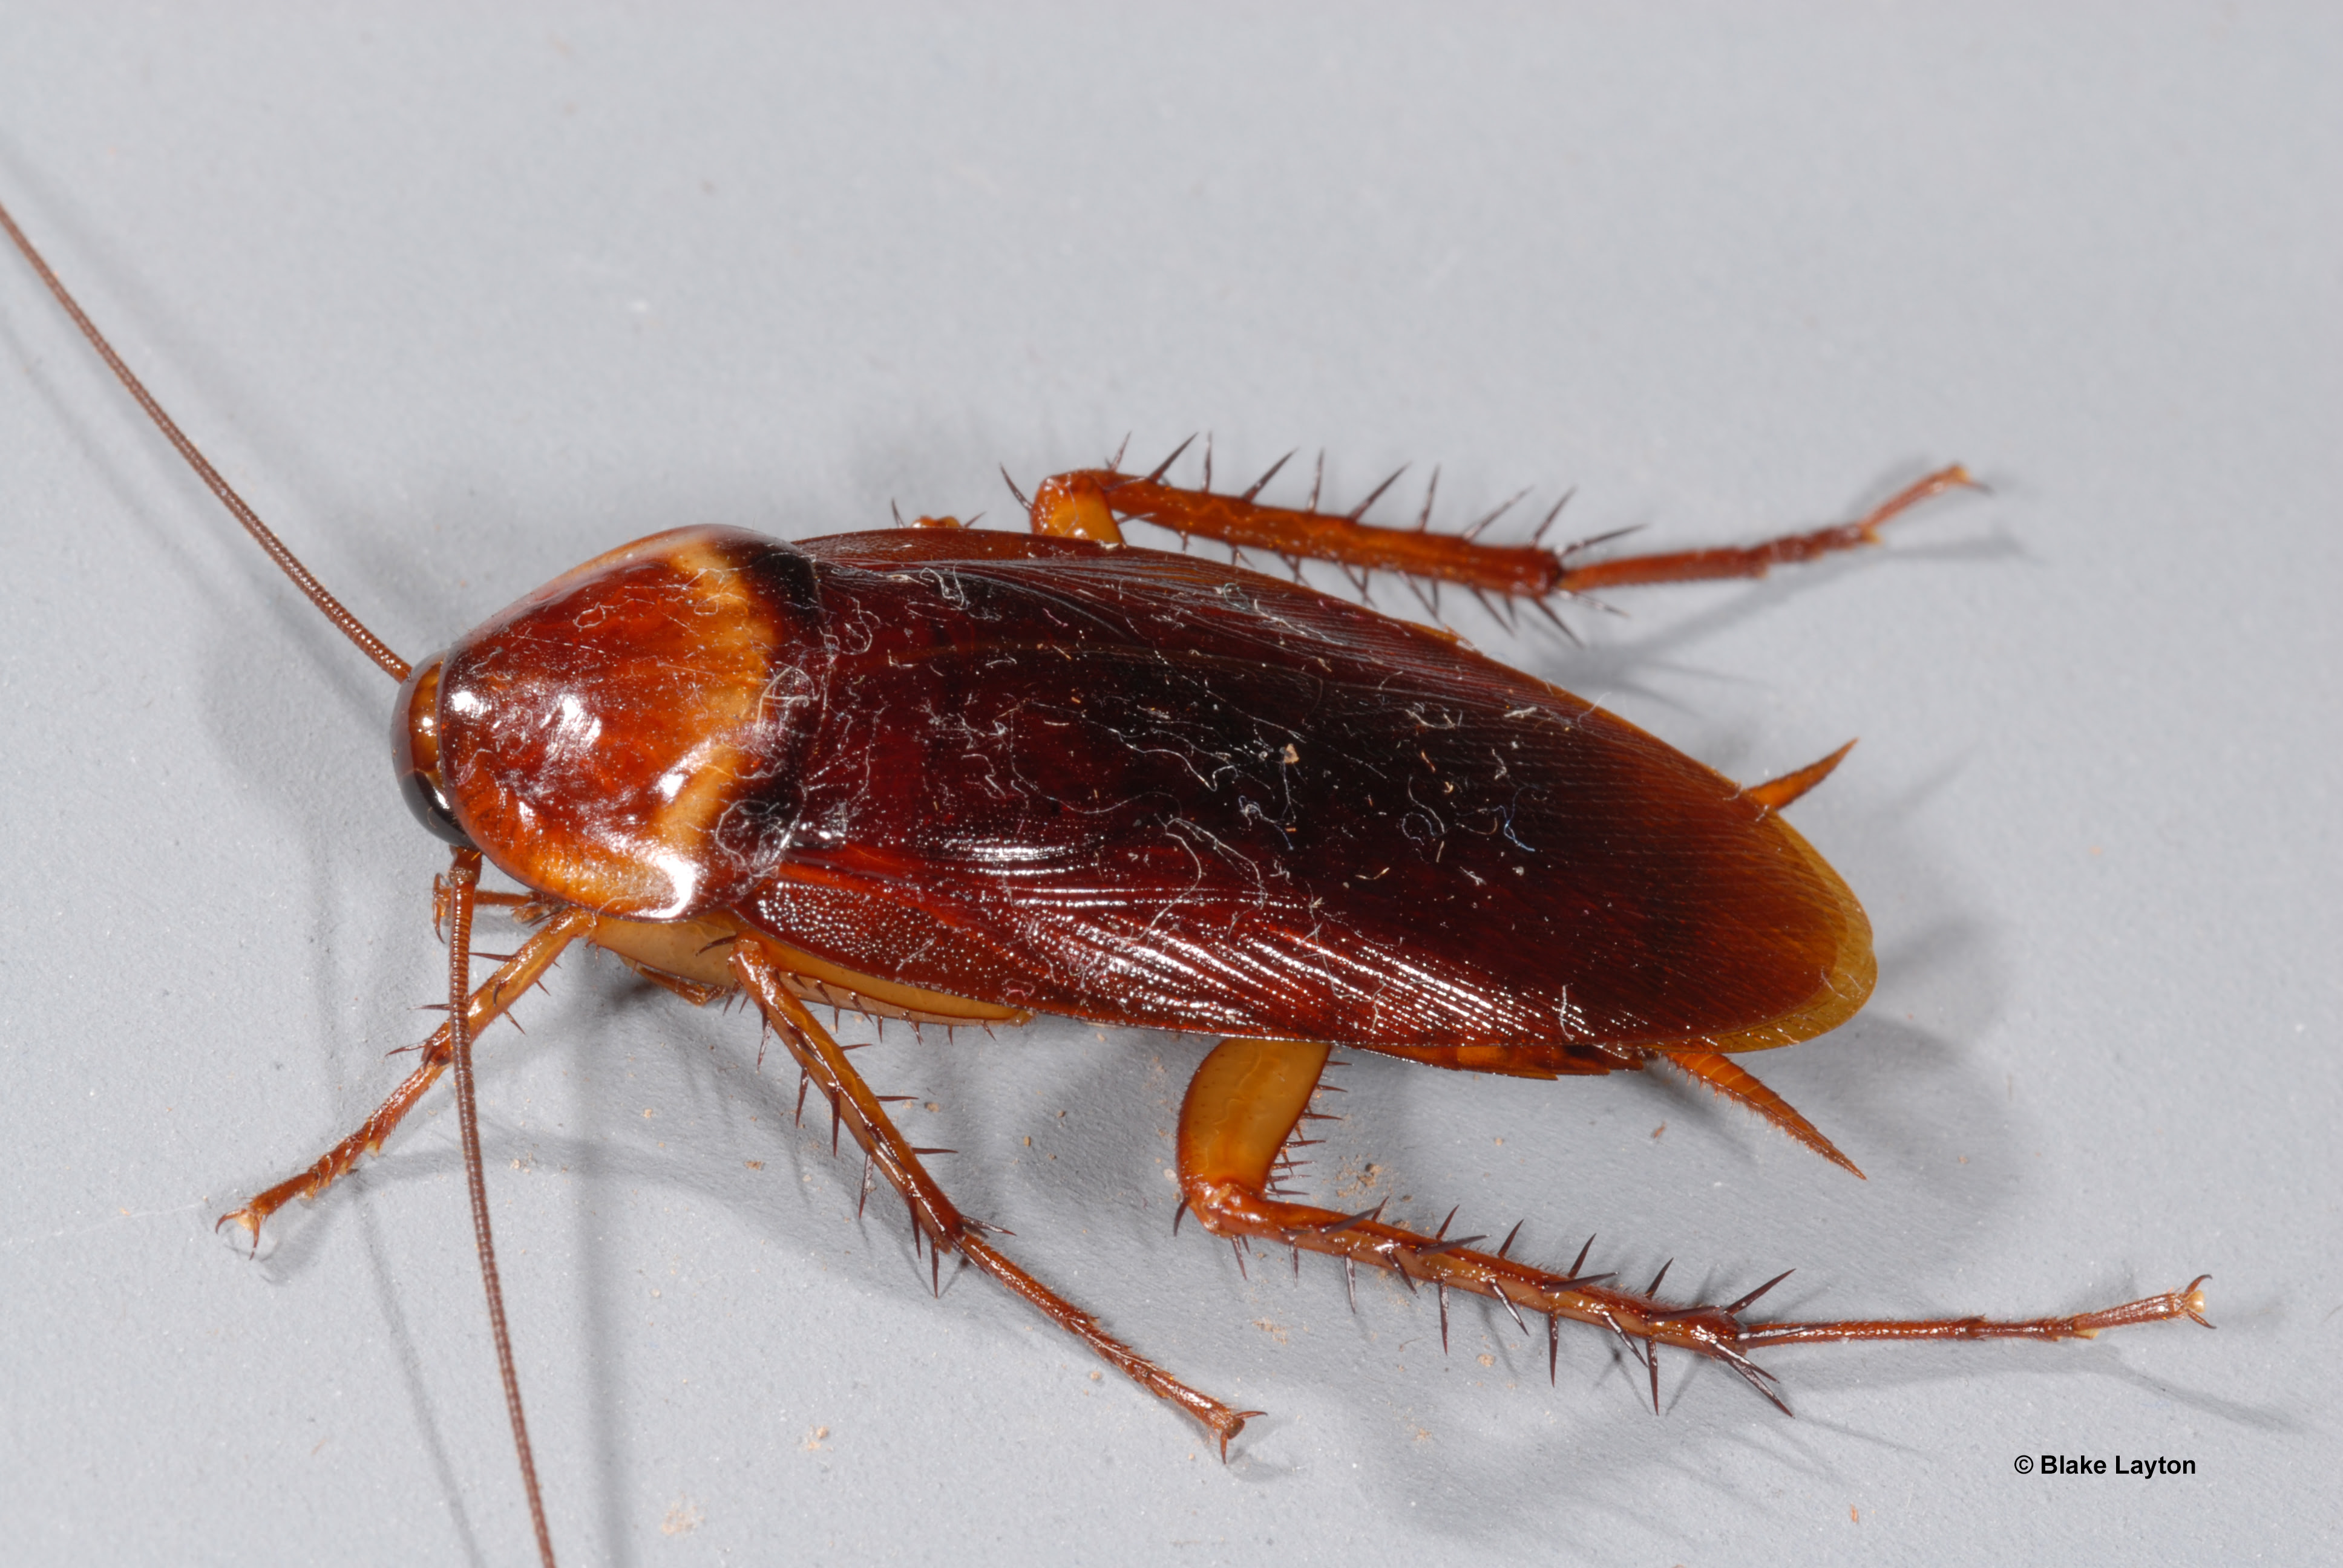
(463,879)
(373,647)
(461,882)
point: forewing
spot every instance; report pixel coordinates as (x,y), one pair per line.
(1132,786)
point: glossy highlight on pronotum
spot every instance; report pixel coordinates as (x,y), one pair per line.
(957,776)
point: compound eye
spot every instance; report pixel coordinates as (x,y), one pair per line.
(415,752)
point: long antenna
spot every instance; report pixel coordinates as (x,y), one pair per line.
(373,647)
(463,878)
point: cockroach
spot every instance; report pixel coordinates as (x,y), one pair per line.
(957,776)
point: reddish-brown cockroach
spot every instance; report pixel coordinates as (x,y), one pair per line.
(954,777)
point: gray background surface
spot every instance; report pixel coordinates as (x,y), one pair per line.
(460,298)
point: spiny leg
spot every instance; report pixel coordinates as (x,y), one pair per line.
(1085,503)
(1249,1095)
(484,1006)
(856,1107)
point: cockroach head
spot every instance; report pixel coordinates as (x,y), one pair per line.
(414,751)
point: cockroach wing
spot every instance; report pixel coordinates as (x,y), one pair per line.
(1133,787)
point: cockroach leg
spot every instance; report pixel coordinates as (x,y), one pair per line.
(529,909)
(933,1214)
(1085,503)
(1074,507)
(691,990)
(1756,560)
(2186,1302)
(1248,1096)
(487,1003)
